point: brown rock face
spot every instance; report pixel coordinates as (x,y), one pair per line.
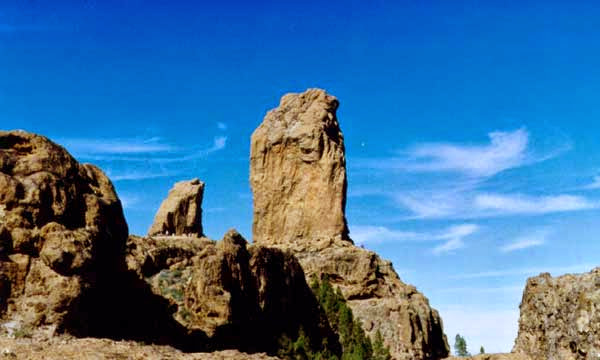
(298,172)
(181,212)
(298,178)
(229,295)
(509,356)
(61,230)
(560,317)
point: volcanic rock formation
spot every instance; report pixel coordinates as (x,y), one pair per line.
(226,294)
(298,172)
(61,232)
(560,317)
(298,179)
(181,212)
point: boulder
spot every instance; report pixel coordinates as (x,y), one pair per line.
(62,231)
(298,179)
(181,212)
(560,317)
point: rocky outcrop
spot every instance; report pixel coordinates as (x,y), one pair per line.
(298,179)
(66,348)
(298,172)
(560,317)
(509,356)
(227,294)
(181,212)
(61,232)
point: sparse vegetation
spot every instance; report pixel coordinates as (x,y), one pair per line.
(460,346)
(356,345)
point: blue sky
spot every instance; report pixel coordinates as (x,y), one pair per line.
(471,128)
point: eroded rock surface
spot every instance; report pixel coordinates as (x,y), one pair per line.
(298,179)
(181,212)
(61,232)
(560,317)
(506,356)
(227,294)
(298,171)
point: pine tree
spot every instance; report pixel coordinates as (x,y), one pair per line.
(460,346)
(481,350)
(380,351)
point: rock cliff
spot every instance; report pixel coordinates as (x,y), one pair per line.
(298,172)
(61,232)
(298,179)
(560,317)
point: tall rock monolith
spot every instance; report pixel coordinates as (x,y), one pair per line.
(298,179)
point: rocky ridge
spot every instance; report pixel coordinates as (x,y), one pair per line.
(298,179)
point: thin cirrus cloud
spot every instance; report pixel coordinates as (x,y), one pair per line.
(443,204)
(505,150)
(595,184)
(138,150)
(534,239)
(461,197)
(452,236)
(555,271)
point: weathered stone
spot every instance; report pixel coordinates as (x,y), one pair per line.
(560,317)
(298,172)
(181,212)
(298,179)
(222,292)
(61,229)
(506,356)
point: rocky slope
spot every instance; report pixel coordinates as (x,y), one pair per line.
(64,347)
(560,317)
(298,179)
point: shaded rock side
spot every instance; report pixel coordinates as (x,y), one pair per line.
(181,212)
(298,171)
(377,296)
(61,232)
(560,317)
(227,295)
(298,179)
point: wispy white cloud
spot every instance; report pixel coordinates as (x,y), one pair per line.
(523,204)
(452,236)
(449,246)
(505,150)
(379,234)
(86,148)
(554,270)
(536,238)
(138,150)
(139,175)
(595,184)
(465,204)
(221,126)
